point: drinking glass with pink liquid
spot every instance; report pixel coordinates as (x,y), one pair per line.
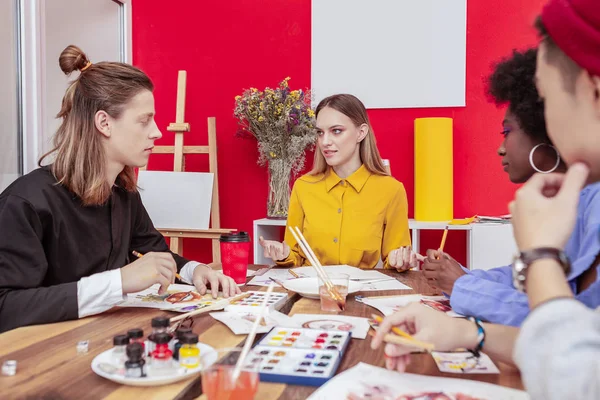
(218,383)
(328,302)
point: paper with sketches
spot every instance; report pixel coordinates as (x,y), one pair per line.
(241,323)
(388,305)
(353,272)
(464,363)
(365,381)
(282,274)
(176,298)
(387,284)
(358,326)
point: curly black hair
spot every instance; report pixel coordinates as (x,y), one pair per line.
(512,83)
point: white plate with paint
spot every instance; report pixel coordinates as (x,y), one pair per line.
(105,366)
(308,287)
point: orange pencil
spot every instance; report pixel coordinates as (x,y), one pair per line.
(140,255)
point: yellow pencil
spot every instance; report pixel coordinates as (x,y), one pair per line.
(406,342)
(441,248)
(293,273)
(395,329)
(444,239)
(140,255)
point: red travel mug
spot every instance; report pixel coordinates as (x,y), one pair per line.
(235,249)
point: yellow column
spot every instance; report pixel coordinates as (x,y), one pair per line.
(433,169)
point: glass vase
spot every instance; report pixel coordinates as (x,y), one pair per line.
(279,189)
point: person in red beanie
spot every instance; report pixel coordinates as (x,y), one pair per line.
(558,347)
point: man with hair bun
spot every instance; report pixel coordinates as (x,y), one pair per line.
(68,229)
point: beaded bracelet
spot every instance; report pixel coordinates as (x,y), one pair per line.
(480,336)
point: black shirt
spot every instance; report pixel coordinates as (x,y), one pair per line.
(49,240)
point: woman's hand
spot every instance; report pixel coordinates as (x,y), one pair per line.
(545,208)
(441,270)
(426,325)
(404,259)
(274,250)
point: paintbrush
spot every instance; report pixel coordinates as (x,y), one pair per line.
(277,281)
(251,336)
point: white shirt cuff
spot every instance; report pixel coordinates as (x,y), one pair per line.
(99,292)
(187,272)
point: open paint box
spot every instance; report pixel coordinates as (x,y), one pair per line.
(299,356)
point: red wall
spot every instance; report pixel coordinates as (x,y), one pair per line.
(227,46)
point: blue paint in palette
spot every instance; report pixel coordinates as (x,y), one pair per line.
(299,356)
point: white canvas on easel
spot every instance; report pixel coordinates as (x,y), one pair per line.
(177,200)
(390,53)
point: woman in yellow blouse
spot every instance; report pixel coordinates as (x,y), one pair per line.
(350,210)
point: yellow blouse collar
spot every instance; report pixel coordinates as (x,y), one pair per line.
(357,179)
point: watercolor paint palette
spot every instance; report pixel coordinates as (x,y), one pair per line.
(295,366)
(276,301)
(246,304)
(299,356)
(314,339)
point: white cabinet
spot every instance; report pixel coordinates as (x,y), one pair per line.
(489,245)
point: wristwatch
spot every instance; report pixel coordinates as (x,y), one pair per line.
(526,258)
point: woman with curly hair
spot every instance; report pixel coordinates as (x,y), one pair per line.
(525,150)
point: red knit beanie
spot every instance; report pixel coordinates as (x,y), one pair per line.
(574,25)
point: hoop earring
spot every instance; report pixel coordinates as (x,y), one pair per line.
(533,164)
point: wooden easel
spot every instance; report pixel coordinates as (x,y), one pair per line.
(179,151)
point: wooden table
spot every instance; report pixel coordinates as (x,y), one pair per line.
(49,366)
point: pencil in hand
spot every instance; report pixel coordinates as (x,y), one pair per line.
(441,248)
(393,339)
(140,255)
(395,329)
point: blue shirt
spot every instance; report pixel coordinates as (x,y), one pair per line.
(491,296)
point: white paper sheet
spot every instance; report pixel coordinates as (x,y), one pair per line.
(358,326)
(241,323)
(388,305)
(365,381)
(177,200)
(393,284)
(412,53)
(464,362)
(353,272)
(282,274)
